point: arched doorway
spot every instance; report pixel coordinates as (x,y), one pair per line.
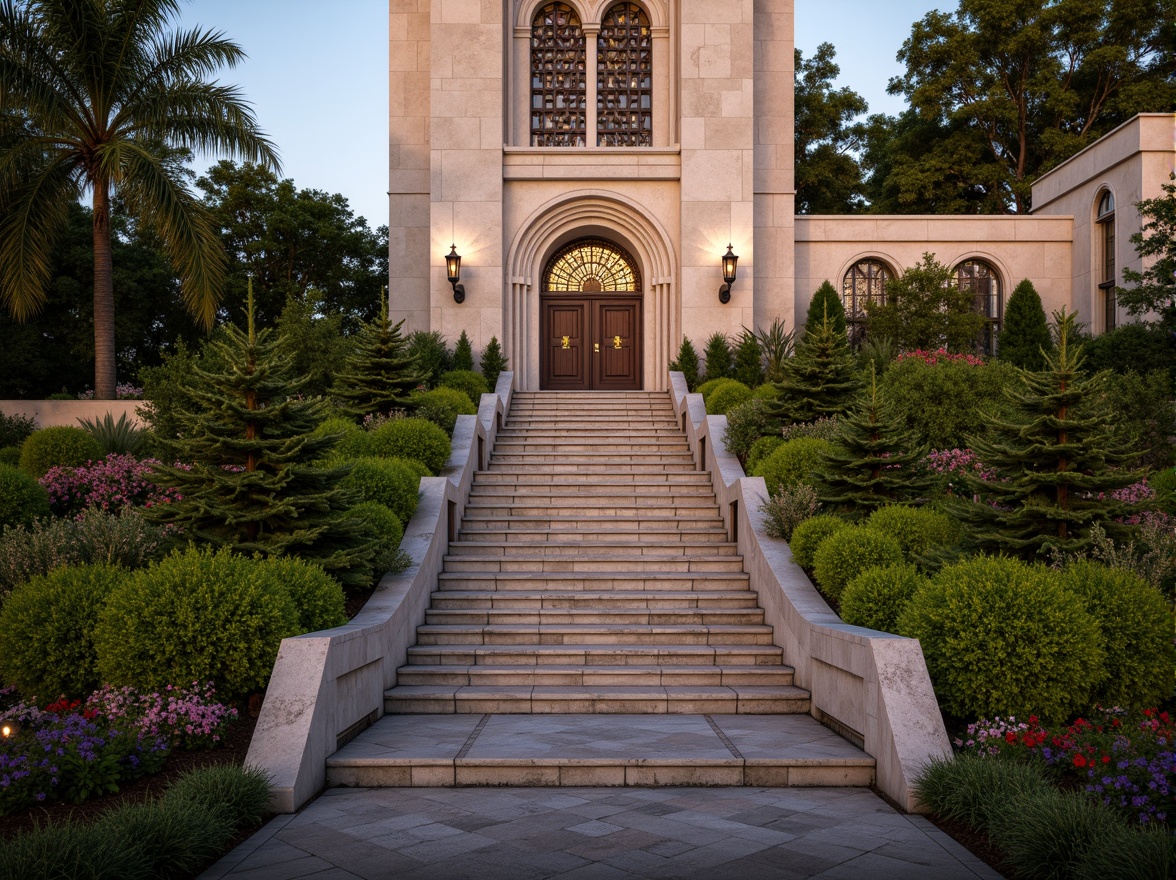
(590,319)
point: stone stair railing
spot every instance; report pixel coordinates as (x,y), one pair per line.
(328,686)
(871,687)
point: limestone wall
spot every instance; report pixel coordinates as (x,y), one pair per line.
(67,412)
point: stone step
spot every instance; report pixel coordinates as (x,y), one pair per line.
(518,600)
(605,614)
(594,634)
(662,490)
(690,536)
(598,699)
(636,519)
(595,676)
(613,461)
(595,655)
(599,750)
(582,447)
(546,431)
(591,470)
(592,562)
(596,581)
(567,507)
(618,548)
(504,476)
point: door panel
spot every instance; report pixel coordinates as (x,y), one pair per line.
(565,344)
(578,343)
(618,365)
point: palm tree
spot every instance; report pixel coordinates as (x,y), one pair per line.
(100,96)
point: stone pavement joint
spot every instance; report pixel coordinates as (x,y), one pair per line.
(656,833)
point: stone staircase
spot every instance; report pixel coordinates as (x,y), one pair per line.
(593,576)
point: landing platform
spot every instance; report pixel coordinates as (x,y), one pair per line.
(599,750)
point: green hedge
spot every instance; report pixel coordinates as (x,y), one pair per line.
(727,396)
(472,384)
(876,597)
(416,439)
(808,536)
(847,553)
(442,406)
(1002,637)
(392,482)
(22,498)
(917,530)
(791,462)
(58,446)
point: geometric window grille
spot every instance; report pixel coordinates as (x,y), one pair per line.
(558,59)
(591,266)
(1106,228)
(865,282)
(624,78)
(984,284)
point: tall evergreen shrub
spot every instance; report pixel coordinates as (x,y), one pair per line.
(687,364)
(749,367)
(1024,340)
(825,305)
(718,357)
(493,362)
(380,373)
(820,379)
(463,353)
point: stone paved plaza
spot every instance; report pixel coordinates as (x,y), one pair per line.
(599,833)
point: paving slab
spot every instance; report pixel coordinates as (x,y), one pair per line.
(538,833)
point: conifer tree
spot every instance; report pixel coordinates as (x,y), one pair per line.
(687,363)
(1024,339)
(249,476)
(1058,462)
(718,356)
(825,303)
(819,379)
(380,373)
(873,460)
(493,362)
(463,354)
(749,361)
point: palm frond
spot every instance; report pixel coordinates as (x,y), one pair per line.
(32,214)
(183,223)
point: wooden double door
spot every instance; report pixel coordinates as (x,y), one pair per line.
(590,342)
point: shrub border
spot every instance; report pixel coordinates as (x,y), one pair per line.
(327,686)
(871,687)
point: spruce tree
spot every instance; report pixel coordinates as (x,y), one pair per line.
(463,355)
(1058,461)
(718,356)
(493,362)
(873,460)
(687,363)
(1024,340)
(825,304)
(749,361)
(249,477)
(819,379)
(380,373)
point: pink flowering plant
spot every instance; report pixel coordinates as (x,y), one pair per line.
(111,484)
(951,467)
(1124,760)
(941,355)
(123,391)
(70,750)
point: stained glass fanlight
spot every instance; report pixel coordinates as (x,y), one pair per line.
(591,266)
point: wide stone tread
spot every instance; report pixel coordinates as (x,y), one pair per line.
(596,581)
(594,634)
(595,676)
(591,562)
(604,614)
(662,600)
(616,549)
(536,654)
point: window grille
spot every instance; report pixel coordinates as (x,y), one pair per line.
(624,78)
(558,60)
(864,282)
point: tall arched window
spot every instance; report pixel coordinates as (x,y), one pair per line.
(624,78)
(1105,250)
(864,282)
(558,60)
(982,280)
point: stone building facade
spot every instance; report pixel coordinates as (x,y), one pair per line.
(591,161)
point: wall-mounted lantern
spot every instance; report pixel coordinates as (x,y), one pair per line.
(453,272)
(730,267)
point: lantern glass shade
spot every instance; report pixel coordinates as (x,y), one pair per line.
(730,265)
(453,264)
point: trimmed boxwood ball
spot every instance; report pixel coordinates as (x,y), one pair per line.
(442,406)
(916,529)
(10,455)
(1002,637)
(58,446)
(473,384)
(352,442)
(385,527)
(791,462)
(876,597)
(707,388)
(417,439)
(727,396)
(1137,631)
(392,482)
(847,553)
(22,498)
(761,449)
(808,536)
(47,631)
(318,597)
(767,392)
(195,616)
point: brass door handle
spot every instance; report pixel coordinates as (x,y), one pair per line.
(596,348)
(566,342)
(617,342)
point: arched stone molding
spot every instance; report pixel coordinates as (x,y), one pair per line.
(591,11)
(588,213)
(1003,275)
(891,263)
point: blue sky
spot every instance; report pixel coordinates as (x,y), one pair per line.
(317,76)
